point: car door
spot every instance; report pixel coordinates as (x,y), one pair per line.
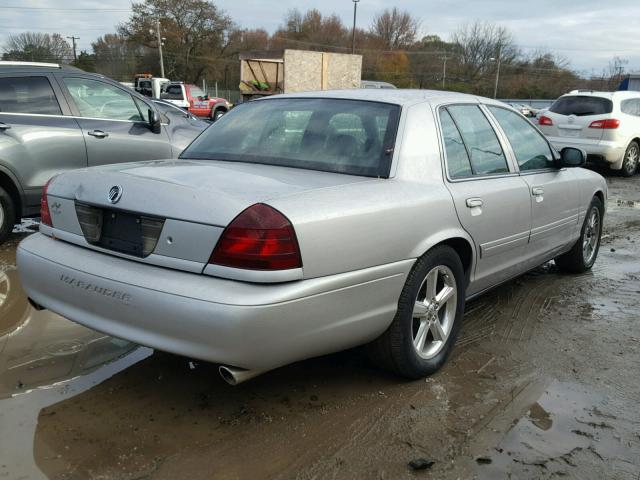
(114,127)
(37,139)
(554,192)
(491,200)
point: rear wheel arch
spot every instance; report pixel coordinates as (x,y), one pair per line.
(464,250)
(458,241)
(9,185)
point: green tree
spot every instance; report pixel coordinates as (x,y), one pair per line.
(196,35)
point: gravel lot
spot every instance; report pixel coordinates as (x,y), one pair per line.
(543,383)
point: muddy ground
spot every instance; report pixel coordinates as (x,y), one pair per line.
(544,383)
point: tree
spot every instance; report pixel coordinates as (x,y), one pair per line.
(197,34)
(396,29)
(312,31)
(478,44)
(117,58)
(85,62)
(38,47)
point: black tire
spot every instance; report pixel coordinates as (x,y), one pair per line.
(7,214)
(217,114)
(394,350)
(631,159)
(574,260)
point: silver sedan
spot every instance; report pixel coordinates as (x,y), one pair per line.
(304,224)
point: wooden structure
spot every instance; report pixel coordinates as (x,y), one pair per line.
(289,71)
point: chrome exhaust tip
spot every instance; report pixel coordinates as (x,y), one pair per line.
(235,376)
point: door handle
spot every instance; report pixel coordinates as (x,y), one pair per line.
(474,202)
(98,133)
(4,126)
(537,191)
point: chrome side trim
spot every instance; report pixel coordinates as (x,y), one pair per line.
(254,276)
(502,245)
(552,228)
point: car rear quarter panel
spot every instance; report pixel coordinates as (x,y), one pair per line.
(371,223)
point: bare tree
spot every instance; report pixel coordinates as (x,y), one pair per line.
(616,72)
(38,47)
(476,44)
(116,57)
(396,29)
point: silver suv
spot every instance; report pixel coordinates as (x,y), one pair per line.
(56,118)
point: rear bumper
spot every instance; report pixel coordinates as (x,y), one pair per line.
(253,326)
(607,152)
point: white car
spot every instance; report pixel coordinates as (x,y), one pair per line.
(604,124)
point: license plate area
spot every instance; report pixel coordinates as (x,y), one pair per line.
(119,231)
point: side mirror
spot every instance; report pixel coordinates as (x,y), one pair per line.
(572,157)
(154,121)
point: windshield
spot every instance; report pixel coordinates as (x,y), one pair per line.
(333,135)
(582,105)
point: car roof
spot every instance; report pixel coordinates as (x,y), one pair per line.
(402,97)
(31,67)
(619,94)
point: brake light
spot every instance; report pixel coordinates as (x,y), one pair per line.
(545,121)
(45,214)
(609,123)
(259,238)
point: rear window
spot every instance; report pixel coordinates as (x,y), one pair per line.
(332,135)
(28,95)
(582,105)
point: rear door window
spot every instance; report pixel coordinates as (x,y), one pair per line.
(28,95)
(582,105)
(631,107)
(532,152)
(458,163)
(482,143)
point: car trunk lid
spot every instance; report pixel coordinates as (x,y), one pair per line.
(207,192)
(170,213)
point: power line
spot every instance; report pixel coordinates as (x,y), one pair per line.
(63,9)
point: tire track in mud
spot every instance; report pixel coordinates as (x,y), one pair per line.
(516,311)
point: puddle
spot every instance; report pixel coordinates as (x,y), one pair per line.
(625,203)
(44,359)
(569,427)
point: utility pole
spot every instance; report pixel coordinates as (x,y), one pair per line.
(495,88)
(160,47)
(73,40)
(353,38)
(444,71)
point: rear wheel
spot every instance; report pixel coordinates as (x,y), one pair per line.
(7,214)
(426,325)
(584,253)
(631,158)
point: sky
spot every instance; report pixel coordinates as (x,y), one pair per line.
(589,33)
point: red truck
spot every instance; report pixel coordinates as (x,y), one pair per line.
(192,98)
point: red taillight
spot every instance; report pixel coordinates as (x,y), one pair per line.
(609,123)
(260,238)
(45,214)
(545,121)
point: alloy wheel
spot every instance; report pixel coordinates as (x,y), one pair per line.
(631,159)
(591,236)
(434,312)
